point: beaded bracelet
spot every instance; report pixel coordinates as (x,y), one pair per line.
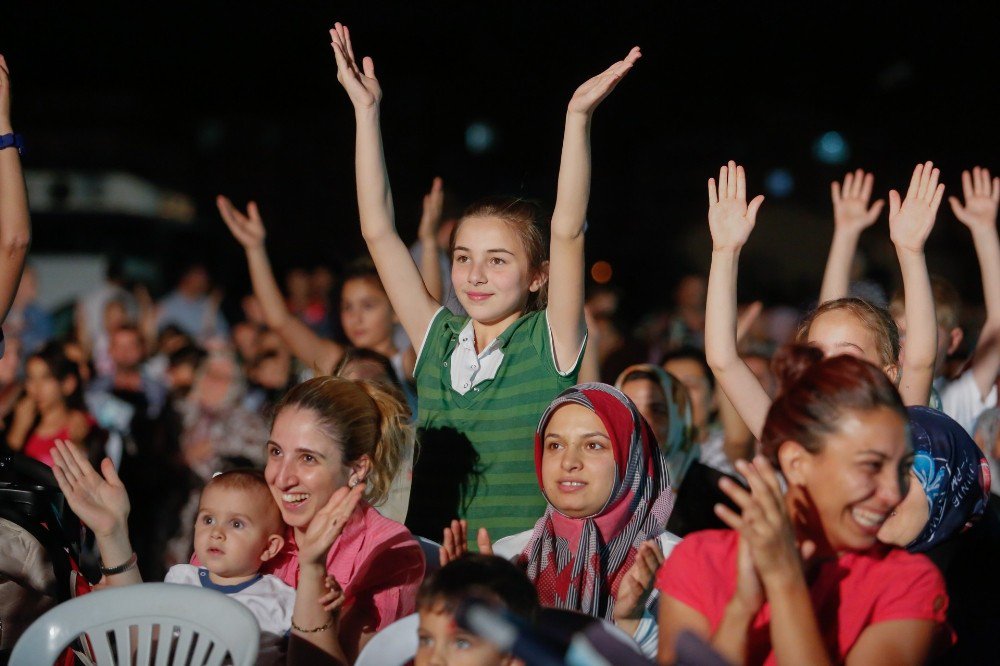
(312,631)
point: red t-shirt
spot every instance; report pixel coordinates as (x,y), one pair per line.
(848,594)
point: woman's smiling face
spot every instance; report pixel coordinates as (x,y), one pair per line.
(578,462)
(304,466)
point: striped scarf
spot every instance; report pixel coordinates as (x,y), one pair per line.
(584,576)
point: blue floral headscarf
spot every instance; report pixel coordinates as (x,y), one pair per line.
(952,471)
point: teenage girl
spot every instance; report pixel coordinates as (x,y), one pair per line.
(844,326)
(488,376)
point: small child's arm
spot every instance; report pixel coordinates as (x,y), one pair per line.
(566,260)
(731,220)
(15,223)
(851,216)
(979,214)
(400,276)
(910,223)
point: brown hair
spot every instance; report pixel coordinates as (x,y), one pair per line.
(814,392)
(251,481)
(362,418)
(876,319)
(523,217)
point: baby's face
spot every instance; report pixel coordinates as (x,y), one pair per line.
(233,532)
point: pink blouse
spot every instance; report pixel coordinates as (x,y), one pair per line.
(377,562)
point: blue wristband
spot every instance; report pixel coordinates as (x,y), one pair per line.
(12,139)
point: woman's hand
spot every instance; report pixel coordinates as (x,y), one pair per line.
(637,585)
(982,197)
(456,542)
(247,229)
(430,219)
(333,600)
(99,500)
(361,85)
(749,590)
(327,525)
(851,212)
(911,221)
(730,218)
(588,96)
(764,526)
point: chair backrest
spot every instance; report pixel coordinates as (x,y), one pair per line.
(432,554)
(160,623)
(393,646)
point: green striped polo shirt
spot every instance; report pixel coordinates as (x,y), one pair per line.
(498,416)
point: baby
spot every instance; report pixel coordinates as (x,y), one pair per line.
(237,530)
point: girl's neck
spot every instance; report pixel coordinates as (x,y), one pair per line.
(486,333)
(53,419)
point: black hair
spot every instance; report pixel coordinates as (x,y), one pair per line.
(691,354)
(487,577)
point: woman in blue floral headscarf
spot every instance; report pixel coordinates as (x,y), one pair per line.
(949,484)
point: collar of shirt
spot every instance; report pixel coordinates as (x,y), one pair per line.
(469,369)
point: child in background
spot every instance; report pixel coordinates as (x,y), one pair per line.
(238,530)
(488,376)
(472,576)
(965,397)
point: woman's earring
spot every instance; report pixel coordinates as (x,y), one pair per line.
(353,482)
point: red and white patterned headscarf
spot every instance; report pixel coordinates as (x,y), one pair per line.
(578,563)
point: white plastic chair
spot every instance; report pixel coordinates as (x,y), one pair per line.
(204,624)
(393,646)
(432,554)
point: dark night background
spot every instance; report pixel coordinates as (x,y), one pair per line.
(242,98)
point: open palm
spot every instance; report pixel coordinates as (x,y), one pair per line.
(328,524)
(589,95)
(851,211)
(730,218)
(982,196)
(911,220)
(99,500)
(247,229)
(361,85)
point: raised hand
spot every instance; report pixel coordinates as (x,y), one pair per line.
(982,196)
(911,220)
(589,95)
(430,219)
(361,85)
(99,500)
(636,586)
(327,525)
(730,218)
(456,542)
(764,525)
(247,229)
(4,96)
(851,211)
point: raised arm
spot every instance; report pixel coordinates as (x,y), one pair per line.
(430,221)
(910,223)
(400,276)
(248,229)
(731,220)
(851,216)
(979,214)
(15,224)
(566,261)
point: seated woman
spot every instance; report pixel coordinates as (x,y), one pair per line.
(801,578)
(945,516)
(52,409)
(597,548)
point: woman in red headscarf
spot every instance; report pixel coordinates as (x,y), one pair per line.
(598,545)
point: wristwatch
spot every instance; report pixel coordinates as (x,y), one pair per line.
(12,139)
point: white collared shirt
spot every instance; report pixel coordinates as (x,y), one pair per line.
(469,369)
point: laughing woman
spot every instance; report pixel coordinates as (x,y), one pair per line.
(801,578)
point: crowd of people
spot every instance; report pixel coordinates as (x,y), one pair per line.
(778,486)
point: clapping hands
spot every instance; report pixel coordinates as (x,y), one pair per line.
(456,541)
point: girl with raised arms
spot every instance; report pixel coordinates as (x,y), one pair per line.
(489,376)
